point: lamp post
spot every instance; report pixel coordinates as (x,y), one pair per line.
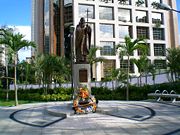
(166,7)
(72,55)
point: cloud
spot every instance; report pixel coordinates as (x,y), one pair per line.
(26,31)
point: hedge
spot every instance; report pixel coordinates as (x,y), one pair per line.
(101,93)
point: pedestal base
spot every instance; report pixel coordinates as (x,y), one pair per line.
(81,76)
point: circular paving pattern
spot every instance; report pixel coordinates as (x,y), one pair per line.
(112,117)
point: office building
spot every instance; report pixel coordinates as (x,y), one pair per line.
(48,26)
(111,21)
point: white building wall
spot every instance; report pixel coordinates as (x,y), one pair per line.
(116,23)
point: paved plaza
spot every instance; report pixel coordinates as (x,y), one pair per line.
(111,118)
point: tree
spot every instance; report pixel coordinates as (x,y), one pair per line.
(127,49)
(142,64)
(62,71)
(173,58)
(49,67)
(26,72)
(14,42)
(45,68)
(92,59)
(152,71)
(117,75)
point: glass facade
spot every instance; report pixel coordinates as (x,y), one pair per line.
(67,2)
(141,16)
(141,3)
(92,33)
(57,27)
(157,18)
(46,27)
(106,30)
(160,64)
(158,34)
(106,1)
(108,66)
(158,1)
(124,2)
(107,48)
(83,9)
(124,15)
(125,30)
(106,13)
(159,50)
(124,65)
(143,32)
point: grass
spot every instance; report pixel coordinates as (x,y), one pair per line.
(12,102)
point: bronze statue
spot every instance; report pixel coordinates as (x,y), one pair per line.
(82,41)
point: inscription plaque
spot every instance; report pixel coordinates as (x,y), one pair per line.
(83,75)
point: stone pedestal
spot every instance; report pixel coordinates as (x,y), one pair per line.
(81,76)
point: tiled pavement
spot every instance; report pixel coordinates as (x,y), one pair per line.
(112,118)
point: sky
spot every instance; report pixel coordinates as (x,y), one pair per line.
(18,13)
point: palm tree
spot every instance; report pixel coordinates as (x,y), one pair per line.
(173,58)
(142,64)
(152,71)
(45,65)
(92,59)
(62,70)
(22,71)
(26,72)
(37,62)
(49,67)
(14,42)
(117,75)
(127,49)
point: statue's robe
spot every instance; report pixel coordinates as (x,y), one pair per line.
(82,42)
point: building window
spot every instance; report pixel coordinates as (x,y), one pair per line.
(108,66)
(92,25)
(106,13)
(158,33)
(66,2)
(124,65)
(68,14)
(124,15)
(125,31)
(154,3)
(141,16)
(83,9)
(106,31)
(107,48)
(106,1)
(160,64)
(140,53)
(159,50)
(143,32)
(124,2)
(46,27)
(141,3)
(157,18)
(157,1)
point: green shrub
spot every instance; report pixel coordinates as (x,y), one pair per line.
(101,93)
